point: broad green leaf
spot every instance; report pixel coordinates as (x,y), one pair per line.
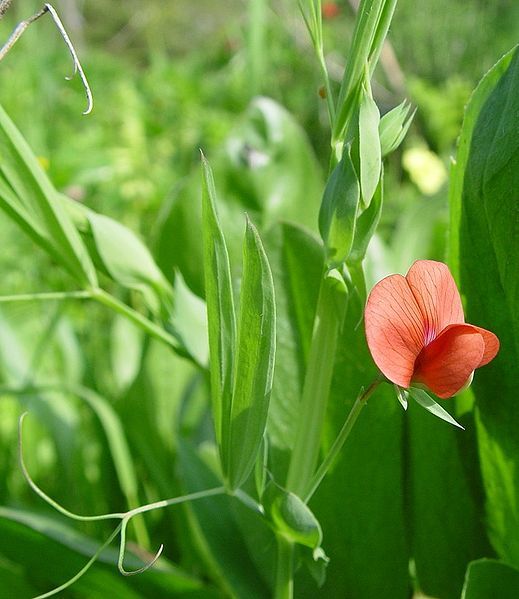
(491,578)
(48,552)
(220,313)
(427,402)
(394,126)
(117,443)
(291,517)
(477,100)
(338,214)
(12,584)
(189,320)
(255,354)
(366,225)
(53,410)
(214,532)
(128,261)
(369,148)
(126,349)
(297,261)
(488,261)
(29,197)
(446,522)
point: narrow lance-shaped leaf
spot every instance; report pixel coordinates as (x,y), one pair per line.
(254,359)
(28,196)
(427,402)
(220,312)
(369,147)
(366,225)
(338,213)
(365,43)
(394,126)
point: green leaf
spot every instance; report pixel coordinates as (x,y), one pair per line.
(477,100)
(220,313)
(215,535)
(446,520)
(49,552)
(427,402)
(126,352)
(366,225)
(369,147)
(129,262)
(255,355)
(27,195)
(291,517)
(367,41)
(488,257)
(338,214)
(117,443)
(402,396)
(189,320)
(265,167)
(361,503)
(393,127)
(271,167)
(491,578)
(297,261)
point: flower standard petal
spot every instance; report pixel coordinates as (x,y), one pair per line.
(395,330)
(446,363)
(437,296)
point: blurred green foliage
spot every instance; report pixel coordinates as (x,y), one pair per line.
(170,77)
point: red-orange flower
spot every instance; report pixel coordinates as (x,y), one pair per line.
(330,10)
(416,331)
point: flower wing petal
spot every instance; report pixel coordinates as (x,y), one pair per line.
(437,296)
(394,328)
(447,362)
(491,345)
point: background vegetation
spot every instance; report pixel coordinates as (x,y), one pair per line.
(170,78)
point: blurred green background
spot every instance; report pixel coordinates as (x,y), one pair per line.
(170,77)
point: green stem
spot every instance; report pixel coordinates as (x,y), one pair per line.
(344,433)
(51,295)
(141,321)
(366,26)
(331,307)
(284,571)
(257,45)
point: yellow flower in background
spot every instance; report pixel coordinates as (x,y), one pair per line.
(425,169)
(44,162)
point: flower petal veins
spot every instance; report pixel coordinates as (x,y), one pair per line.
(437,296)
(416,330)
(394,329)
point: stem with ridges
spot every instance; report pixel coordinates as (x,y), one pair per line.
(138,319)
(284,572)
(331,308)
